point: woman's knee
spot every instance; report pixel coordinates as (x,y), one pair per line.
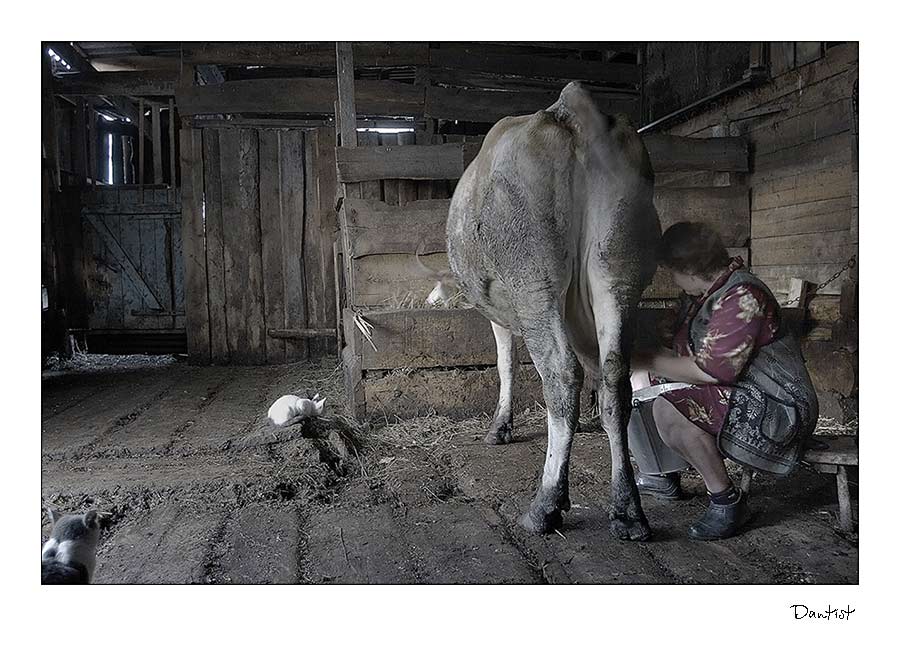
(676,430)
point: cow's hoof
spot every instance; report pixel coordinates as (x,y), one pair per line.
(629,528)
(541,522)
(499,434)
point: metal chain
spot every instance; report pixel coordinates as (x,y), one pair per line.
(849,265)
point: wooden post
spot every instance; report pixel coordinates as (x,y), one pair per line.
(92,125)
(141,149)
(843,490)
(127,168)
(85,141)
(172,142)
(798,291)
(156,129)
(346,94)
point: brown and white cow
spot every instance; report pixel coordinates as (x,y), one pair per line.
(552,234)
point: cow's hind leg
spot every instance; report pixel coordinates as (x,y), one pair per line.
(561,376)
(502,425)
(627,519)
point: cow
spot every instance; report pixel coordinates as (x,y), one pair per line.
(552,234)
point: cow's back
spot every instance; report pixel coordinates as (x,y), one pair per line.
(547,192)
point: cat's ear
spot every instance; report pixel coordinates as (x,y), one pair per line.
(54,516)
(319,404)
(91,519)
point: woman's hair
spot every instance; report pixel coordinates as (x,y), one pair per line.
(695,249)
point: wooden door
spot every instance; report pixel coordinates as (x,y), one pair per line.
(133,269)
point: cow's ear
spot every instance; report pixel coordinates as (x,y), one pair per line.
(54,516)
(91,519)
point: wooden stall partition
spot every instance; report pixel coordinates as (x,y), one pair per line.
(264,259)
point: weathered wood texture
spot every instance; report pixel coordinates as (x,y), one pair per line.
(265,254)
(428,338)
(133,282)
(449,160)
(800,130)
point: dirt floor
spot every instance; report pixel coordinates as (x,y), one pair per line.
(198,489)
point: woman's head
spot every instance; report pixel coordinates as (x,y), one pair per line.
(695,255)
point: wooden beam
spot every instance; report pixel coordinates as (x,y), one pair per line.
(193,237)
(137,84)
(141,149)
(304,54)
(448,161)
(71,55)
(670,153)
(301,333)
(474,58)
(92,135)
(438,161)
(490,106)
(138,63)
(299,96)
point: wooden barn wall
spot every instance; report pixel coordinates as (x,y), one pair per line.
(258,242)
(804,172)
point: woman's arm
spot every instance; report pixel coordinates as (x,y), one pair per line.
(672,366)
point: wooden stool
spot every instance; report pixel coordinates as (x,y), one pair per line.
(842,451)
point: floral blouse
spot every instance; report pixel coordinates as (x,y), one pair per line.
(743,319)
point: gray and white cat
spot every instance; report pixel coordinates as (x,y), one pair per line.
(70,554)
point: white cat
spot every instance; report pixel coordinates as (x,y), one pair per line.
(69,556)
(291,408)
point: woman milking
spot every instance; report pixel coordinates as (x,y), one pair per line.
(741,387)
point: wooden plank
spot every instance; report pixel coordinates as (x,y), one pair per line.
(304,54)
(270,225)
(826,153)
(92,138)
(843,451)
(823,248)
(314,249)
(826,215)
(391,186)
(727,209)
(325,182)
(829,119)
(778,277)
(377,228)
(172,180)
(346,94)
(475,58)
(669,153)
(392,280)
(243,261)
(427,338)
(442,161)
(135,84)
(300,333)
(370,189)
(456,393)
(408,189)
(141,142)
(490,106)
(801,188)
(299,96)
(353,382)
(215,246)
(293,204)
(157,143)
